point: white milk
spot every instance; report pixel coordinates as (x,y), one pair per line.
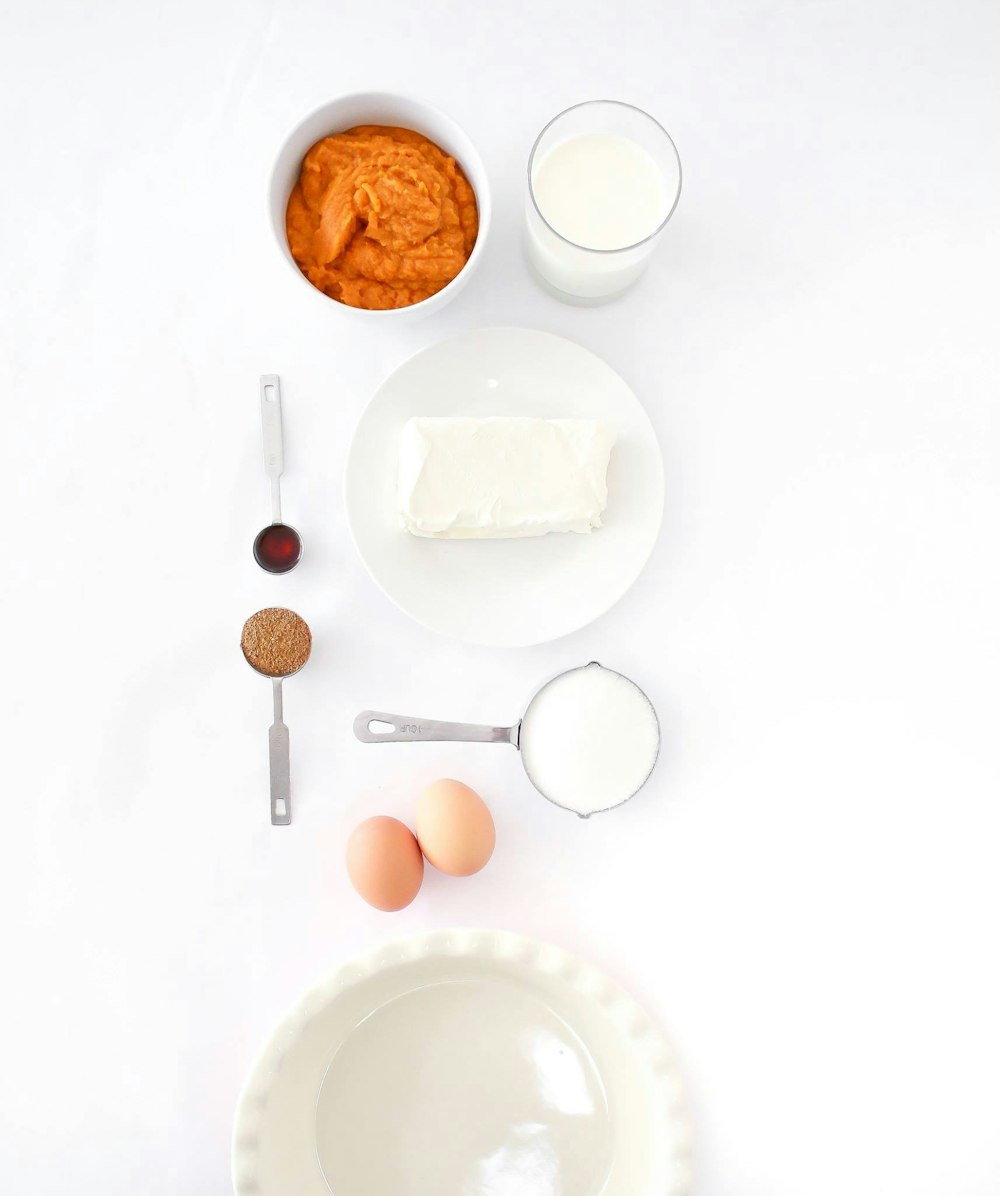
(601,191)
(589,739)
(598,202)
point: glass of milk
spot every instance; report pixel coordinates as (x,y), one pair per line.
(603,180)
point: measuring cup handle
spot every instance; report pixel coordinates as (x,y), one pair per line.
(375,726)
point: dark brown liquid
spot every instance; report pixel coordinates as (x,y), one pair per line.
(277,548)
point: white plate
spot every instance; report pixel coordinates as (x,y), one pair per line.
(463,1063)
(505,592)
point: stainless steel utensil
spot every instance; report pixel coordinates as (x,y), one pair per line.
(278,758)
(278,746)
(373,726)
(277,547)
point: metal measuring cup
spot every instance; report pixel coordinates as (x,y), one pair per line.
(372,726)
(263,655)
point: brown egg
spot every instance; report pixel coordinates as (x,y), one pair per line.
(455,828)
(384,863)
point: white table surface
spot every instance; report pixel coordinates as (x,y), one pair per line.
(807,894)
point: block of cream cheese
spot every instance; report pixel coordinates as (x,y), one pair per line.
(502,477)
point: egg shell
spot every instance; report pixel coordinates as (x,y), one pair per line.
(385,863)
(455,828)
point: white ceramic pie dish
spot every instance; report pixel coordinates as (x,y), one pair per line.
(466,1063)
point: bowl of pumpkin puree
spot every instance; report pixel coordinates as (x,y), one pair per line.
(380,204)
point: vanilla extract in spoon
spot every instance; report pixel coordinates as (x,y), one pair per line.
(277,547)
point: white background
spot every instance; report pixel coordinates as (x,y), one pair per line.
(807,894)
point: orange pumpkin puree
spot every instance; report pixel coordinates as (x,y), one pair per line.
(380,217)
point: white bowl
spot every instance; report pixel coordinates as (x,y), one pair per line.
(463,1061)
(379,108)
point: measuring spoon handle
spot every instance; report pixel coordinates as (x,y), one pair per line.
(274,449)
(375,726)
(277,747)
(270,418)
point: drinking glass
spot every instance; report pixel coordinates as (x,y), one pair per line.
(574,272)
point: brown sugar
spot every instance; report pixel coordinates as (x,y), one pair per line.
(380,217)
(276,641)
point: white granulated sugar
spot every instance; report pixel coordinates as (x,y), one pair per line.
(589,739)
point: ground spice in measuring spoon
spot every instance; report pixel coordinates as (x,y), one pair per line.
(276,641)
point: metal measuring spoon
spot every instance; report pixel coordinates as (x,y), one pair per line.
(276,643)
(278,547)
(373,726)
